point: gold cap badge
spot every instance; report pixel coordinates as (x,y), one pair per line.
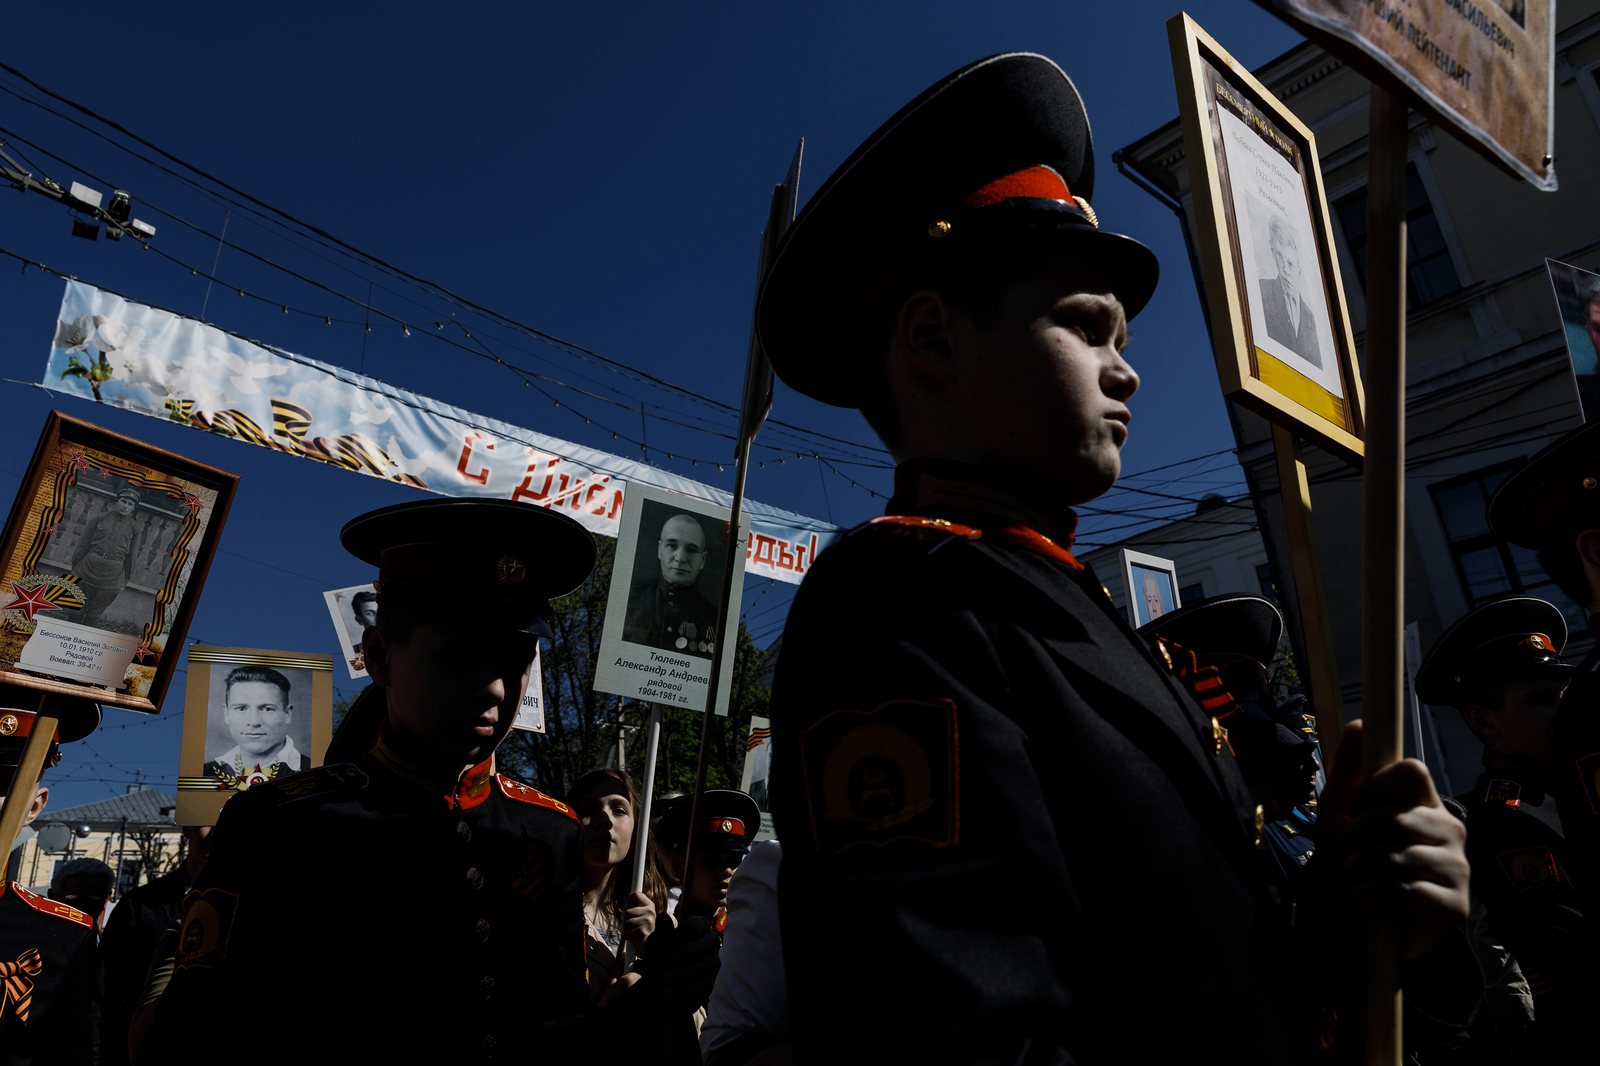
(8,725)
(512,570)
(727,825)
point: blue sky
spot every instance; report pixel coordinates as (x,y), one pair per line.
(597,172)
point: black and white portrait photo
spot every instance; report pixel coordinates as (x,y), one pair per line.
(352,609)
(1291,321)
(258,724)
(677,574)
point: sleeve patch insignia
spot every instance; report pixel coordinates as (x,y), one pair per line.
(207,924)
(518,791)
(876,777)
(1530,868)
(1589,775)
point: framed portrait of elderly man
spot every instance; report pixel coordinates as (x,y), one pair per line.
(1281,332)
(661,626)
(250,716)
(101,564)
(1152,586)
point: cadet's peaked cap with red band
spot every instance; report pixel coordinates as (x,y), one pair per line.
(729,820)
(1241,625)
(1560,478)
(1498,642)
(496,560)
(999,150)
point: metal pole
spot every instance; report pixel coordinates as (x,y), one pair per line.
(641,830)
(1383,533)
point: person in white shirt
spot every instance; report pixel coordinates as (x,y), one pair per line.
(747,1020)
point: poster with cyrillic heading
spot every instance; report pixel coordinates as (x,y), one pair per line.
(1482,68)
(662,627)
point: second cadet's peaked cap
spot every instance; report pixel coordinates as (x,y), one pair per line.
(1504,638)
(1564,475)
(1243,625)
(729,820)
(497,560)
(999,149)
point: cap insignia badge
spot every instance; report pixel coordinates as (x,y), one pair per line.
(8,725)
(1536,642)
(726,826)
(512,570)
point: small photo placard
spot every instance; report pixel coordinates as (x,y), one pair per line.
(352,609)
(661,626)
(250,716)
(1152,586)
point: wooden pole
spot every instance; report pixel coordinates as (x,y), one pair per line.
(1327,697)
(1383,532)
(641,830)
(20,794)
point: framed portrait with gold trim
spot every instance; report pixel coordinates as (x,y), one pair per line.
(1280,327)
(250,716)
(101,564)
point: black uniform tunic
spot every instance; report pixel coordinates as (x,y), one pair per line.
(132,933)
(354,913)
(1012,832)
(1575,758)
(1522,873)
(49,981)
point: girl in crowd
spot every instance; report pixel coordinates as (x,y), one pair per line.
(607,802)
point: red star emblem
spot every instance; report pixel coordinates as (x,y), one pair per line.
(31,601)
(50,530)
(79,460)
(192,501)
(144,649)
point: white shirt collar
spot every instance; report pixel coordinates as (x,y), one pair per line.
(289,756)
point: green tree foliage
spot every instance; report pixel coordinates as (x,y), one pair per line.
(583,726)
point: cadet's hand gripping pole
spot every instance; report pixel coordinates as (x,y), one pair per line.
(752,413)
(1383,533)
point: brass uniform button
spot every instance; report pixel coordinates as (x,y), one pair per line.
(1590,482)
(474,877)
(464,831)
(1261,820)
(486,987)
(938,228)
(481,930)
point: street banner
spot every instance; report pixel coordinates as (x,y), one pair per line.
(661,627)
(757,770)
(1484,69)
(1280,328)
(1578,302)
(249,716)
(141,358)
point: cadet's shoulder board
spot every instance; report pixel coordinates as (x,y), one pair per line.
(516,790)
(320,781)
(50,906)
(1530,868)
(929,534)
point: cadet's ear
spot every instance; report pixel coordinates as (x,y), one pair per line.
(41,796)
(375,655)
(923,336)
(1483,722)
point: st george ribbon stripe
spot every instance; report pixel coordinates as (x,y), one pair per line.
(290,662)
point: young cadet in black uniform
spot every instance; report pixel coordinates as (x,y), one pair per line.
(985,781)
(728,823)
(1233,636)
(1551,504)
(49,964)
(417,906)
(1501,667)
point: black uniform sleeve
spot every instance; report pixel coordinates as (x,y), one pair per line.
(121,972)
(925,902)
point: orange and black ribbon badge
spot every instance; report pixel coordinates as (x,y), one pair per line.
(720,921)
(18,986)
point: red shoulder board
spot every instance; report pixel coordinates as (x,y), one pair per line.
(50,906)
(527,794)
(955,529)
(931,534)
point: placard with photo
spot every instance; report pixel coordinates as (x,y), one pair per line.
(352,609)
(1578,302)
(250,716)
(101,564)
(661,626)
(1152,586)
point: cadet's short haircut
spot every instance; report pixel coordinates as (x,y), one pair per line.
(95,873)
(265,675)
(974,282)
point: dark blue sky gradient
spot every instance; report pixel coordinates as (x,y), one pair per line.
(599,172)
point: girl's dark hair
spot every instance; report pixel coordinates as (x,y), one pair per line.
(619,880)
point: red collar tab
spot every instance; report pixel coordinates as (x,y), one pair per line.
(725,825)
(1033,183)
(1019,536)
(474,786)
(20,724)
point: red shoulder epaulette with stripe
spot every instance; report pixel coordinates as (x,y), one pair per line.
(930,534)
(50,906)
(527,794)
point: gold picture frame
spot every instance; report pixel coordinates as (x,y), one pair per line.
(1283,343)
(209,771)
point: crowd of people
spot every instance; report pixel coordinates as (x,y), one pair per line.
(1013,829)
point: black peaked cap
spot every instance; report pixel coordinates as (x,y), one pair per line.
(715,805)
(989,119)
(76,717)
(1243,625)
(1557,477)
(1502,638)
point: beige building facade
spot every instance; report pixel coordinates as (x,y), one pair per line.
(1488,377)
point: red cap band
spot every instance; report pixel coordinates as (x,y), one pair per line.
(20,724)
(1037,183)
(725,825)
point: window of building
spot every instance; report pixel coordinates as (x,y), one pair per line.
(1487,565)
(1191,594)
(1429,272)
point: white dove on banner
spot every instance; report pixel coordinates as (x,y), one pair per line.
(244,371)
(369,411)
